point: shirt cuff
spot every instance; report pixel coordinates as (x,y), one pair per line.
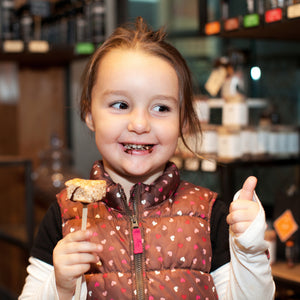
(253,239)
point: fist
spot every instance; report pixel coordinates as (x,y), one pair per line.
(244,210)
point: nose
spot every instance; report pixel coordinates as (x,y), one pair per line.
(139,122)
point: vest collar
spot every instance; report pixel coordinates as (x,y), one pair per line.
(150,195)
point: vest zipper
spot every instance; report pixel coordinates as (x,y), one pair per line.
(137,244)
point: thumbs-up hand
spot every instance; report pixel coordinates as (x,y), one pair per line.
(244,210)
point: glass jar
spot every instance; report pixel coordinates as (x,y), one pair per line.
(235,113)
(229,146)
(209,142)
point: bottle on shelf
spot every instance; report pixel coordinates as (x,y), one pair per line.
(7,19)
(26,24)
(98,21)
(290,252)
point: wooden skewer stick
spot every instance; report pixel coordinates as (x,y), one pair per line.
(83,227)
(84,191)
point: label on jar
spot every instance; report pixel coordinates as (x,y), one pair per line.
(235,113)
(262,140)
(229,146)
(209,141)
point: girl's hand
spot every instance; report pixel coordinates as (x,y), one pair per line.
(72,257)
(244,210)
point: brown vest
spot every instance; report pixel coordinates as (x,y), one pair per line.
(157,247)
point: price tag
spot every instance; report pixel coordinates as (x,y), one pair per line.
(273,15)
(84,48)
(216,80)
(251,20)
(11,46)
(231,24)
(293,11)
(38,46)
(212,28)
(285,225)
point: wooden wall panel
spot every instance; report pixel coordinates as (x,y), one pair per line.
(41,109)
(26,128)
(9,129)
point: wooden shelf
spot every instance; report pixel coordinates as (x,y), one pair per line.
(56,56)
(283,30)
(281,271)
(264,160)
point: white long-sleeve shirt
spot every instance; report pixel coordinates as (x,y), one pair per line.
(246,276)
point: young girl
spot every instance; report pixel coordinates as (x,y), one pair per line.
(154,236)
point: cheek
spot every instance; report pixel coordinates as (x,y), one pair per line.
(170,134)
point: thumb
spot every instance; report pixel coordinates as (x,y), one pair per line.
(248,188)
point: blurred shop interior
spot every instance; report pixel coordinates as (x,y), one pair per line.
(245,61)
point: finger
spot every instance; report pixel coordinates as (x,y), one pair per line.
(80,258)
(74,270)
(248,188)
(239,228)
(78,236)
(242,210)
(82,247)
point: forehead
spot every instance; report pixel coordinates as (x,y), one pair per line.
(120,57)
(125,64)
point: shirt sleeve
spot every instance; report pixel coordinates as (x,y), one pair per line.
(40,282)
(248,275)
(219,235)
(49,233)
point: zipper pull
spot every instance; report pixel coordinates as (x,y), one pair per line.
(137,237)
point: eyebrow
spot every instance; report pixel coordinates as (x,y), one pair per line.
(115,92)
(125,93)
(166,98)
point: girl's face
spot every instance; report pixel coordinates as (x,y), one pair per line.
(135,114)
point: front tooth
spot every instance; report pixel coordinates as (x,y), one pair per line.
(137,147)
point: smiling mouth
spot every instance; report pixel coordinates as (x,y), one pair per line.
(138,147)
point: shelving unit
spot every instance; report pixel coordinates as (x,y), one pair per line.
(56,56)
(285,30)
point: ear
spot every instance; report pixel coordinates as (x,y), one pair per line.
(89,121)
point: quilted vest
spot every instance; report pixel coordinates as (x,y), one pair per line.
(156,246)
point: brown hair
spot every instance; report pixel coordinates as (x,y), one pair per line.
(140,36)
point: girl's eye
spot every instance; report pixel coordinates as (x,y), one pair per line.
(161,108)
(119,105)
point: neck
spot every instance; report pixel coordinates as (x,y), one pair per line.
(128,182)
